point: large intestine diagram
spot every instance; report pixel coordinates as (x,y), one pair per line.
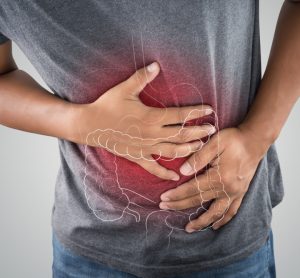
(116,188)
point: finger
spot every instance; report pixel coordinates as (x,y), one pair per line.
(176,150)
(138,148)
(156,169)
(136,152)
(179,134)
(138,81)
(202,158)
(194,201)
(180,115)
(168,151)
(127,151)
(110,137)
(113,143)
(232,211)
(216,211)
(204,182)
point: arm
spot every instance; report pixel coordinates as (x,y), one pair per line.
(239,150)
(107,122)
(27,106)
(280,86)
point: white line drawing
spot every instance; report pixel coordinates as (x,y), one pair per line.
(114,202)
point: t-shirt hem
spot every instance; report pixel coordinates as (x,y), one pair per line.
(155,271)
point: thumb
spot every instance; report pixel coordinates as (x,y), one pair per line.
(138,81)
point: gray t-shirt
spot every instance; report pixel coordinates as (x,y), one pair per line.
(106,208)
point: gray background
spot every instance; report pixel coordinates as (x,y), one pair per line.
(28,167)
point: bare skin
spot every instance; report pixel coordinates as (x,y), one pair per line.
(26,106)
(240,149)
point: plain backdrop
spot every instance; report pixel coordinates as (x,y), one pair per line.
(29,164)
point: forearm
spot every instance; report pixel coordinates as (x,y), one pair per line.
(280,86)
(26,106)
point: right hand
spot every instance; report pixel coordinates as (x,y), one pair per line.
(119,122)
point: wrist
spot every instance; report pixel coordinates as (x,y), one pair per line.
(259,140)
(72,123)
(83,119)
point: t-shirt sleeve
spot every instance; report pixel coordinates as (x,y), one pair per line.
(3,39)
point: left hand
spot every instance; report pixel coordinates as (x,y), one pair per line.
(233,155)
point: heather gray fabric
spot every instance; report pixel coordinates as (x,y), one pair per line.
(209,52)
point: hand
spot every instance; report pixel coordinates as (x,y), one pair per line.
(233,156)
(119,122)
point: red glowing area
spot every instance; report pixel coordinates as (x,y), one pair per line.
(122,181)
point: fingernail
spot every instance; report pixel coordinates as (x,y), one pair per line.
(152,67)
(189,230)
(211,130)
(208,111)
(163,206)
(175,178)
(198,144)
(164,197)
(186,169)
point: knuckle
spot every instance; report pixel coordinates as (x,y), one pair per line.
(184,135)
(196,200)
(221,213)
(216,216)
(232,188)
(171,152)
(226,178)
(228,218)
(138,78)
(198,161)
(140,73)
(175,197)
(234,212)
(213,174)
(181,115)
(131,81)
(225,220)
(192,188)
(182,150)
